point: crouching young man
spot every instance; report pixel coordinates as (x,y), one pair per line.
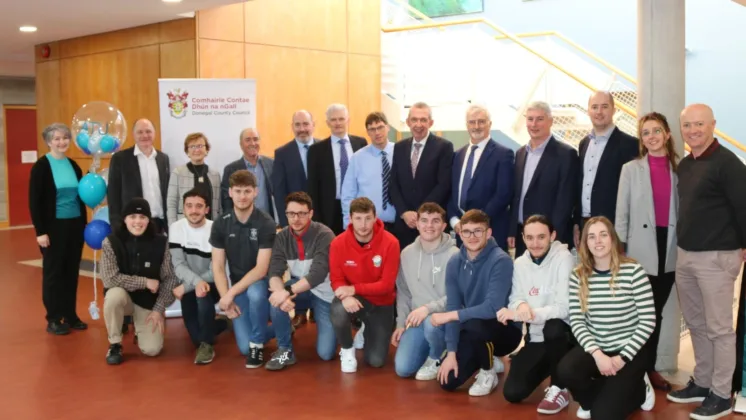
(363,264)
(540,299)
(478,283)
(421,292)
(303,249)
(136,269)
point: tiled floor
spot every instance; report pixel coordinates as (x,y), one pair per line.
(46,378)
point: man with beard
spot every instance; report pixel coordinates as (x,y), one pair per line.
(243,238)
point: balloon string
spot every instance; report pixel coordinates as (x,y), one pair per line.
(95,290)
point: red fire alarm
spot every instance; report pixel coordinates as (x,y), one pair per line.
(45,51)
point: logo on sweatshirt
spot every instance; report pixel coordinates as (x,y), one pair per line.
(533,292)
(436,270)
(377,261)
(350,263)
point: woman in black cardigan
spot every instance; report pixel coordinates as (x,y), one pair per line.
(59,218)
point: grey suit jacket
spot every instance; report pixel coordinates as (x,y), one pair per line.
(267,165)
(635,216)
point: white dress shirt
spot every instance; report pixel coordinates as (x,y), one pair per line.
(477,154)
(596,146)
(151,182)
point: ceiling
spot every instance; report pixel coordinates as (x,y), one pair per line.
(63,19)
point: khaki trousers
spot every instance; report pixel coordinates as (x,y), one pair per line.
(117,305)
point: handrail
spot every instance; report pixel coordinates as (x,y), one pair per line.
(515,38)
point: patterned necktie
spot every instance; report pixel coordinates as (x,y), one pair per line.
(385,175)
(305,159)
(467,178)
(415,157)
(344,161)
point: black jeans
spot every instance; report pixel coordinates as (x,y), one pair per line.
(661,285)
(479,341)
(537,361)
(379,325)
(60,269)
(607,397)
(199,316)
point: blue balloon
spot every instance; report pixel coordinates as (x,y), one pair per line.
(108,143)
(92,190)
(82,141)
(102,213)
(95,232)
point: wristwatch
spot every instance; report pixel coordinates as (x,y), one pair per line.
(289,289)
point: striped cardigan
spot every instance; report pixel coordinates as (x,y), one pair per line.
(618,321)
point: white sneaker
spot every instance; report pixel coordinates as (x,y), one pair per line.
(348,360)
(497,365)
(583,414)
(649,395)
(486,383)
(359,341)
(429,370)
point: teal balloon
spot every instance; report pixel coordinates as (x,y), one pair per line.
(102,213)
(92,190)
(82,141)
(95,232)
(108,143)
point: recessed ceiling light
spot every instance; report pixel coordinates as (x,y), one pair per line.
(171,1)
(28,28)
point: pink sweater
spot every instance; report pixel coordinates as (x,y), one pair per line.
(660,178)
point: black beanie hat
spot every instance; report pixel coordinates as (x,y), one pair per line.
(137,206)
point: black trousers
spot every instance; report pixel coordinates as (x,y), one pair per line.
(479,340)
(199,316)
(404,233)
(661,285)
(60,268)
(520,246)
(607,397)
(537,361)
(379,325)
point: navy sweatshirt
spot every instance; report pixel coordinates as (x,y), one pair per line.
(477,288)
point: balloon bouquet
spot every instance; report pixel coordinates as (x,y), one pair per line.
(99,129)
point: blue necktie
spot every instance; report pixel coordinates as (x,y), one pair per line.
(467,178)
(385,175)
(344,161)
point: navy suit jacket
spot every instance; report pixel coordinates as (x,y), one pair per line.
(491,188)
(287,176)
(551,191)
(620,149)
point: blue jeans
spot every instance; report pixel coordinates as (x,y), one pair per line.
(326,340)
(251,325)
(417,344)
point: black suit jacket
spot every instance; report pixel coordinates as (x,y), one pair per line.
(620,149)
(432,181)
(551,191)
(125,182)
(267,165)
(322,182)
(287,176)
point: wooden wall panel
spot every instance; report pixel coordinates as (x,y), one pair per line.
(110,41)
(48,98)
(221,59)
(177,30)
(224,23)
(289,79)
(178,59)
(363,89)
(310,24)
(364,27)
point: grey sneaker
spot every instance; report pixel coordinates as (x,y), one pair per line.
(280,359)
(205,354)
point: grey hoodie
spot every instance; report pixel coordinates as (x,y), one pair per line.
(422,278)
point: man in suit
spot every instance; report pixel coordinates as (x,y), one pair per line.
(421,172)
(328,161)
(482,177)
(546,171)
(260,166)
(290,173)
(139,171)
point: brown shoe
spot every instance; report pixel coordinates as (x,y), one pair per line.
(659,382)
(299,320)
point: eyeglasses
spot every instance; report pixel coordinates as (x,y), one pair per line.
(292,214)
(196,146)
(468,233)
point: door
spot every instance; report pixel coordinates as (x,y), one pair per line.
(20,155)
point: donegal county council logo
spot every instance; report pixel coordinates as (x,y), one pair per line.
(177,103)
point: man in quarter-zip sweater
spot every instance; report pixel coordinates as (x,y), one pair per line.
(478,284)
(363,264)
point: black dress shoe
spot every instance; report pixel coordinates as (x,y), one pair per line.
(58,328)
(77,325)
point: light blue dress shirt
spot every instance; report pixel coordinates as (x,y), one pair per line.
(593,154)
(532,162)
(262,199)
(363,179)
(303,150)
(336,156)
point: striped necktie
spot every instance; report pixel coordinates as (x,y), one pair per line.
(385,175)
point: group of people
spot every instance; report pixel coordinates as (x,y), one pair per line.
(359,232)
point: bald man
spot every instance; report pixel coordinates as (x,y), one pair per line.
(139,171)
(260,166)
(290,173)
(711,234)
(603,152)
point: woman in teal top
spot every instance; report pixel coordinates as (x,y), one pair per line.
(59,218)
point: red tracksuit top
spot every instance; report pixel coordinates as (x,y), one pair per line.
(372,268)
